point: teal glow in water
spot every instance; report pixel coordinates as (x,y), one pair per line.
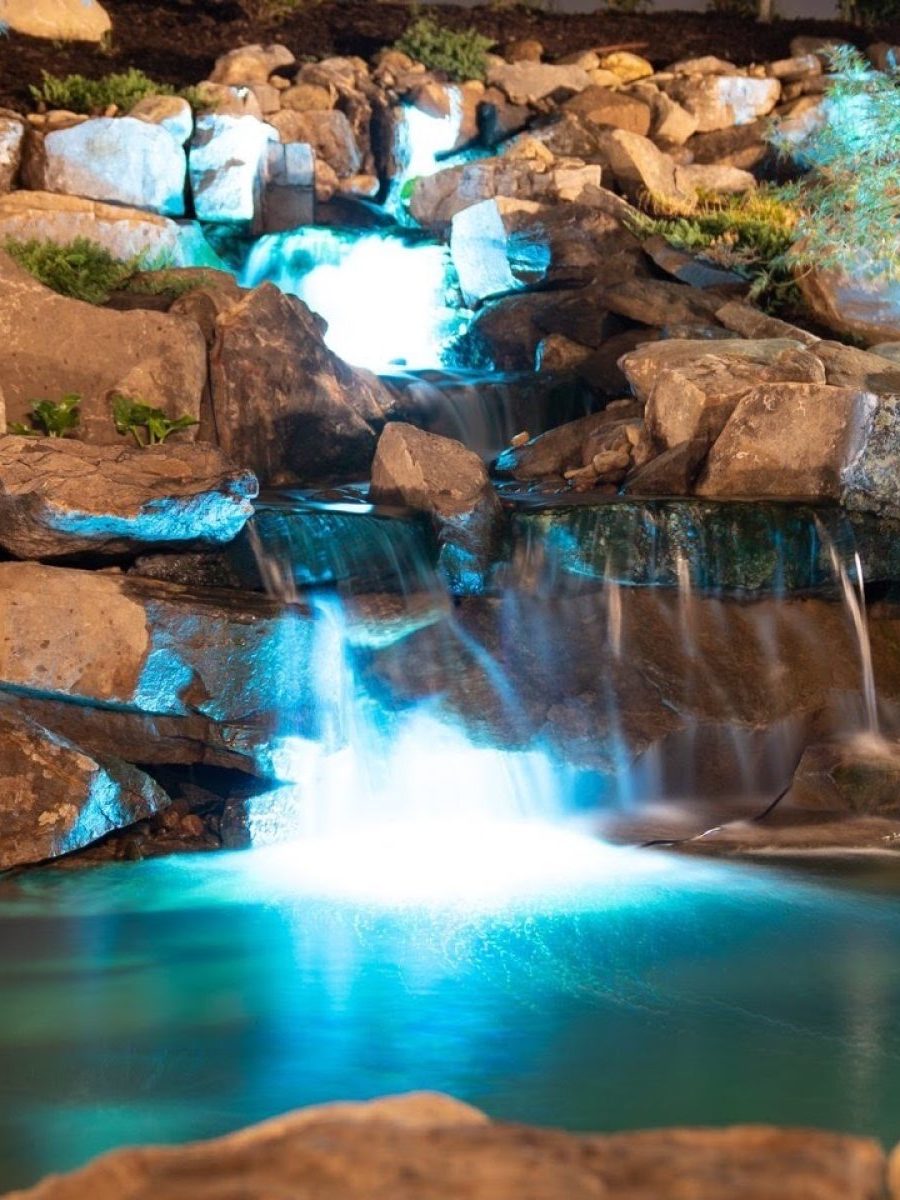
(179,999)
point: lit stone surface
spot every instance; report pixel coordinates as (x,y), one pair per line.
(62,20)
(60,497)
(227,160)
(118,159)
(720,101)
(12,135)
(400,1146)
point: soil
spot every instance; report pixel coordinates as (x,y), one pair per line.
(177,41)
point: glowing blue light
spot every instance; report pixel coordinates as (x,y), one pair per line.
(422,142)
(385,299)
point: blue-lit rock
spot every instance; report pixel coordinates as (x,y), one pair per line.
(60,497)
(863,305)
(54,346)
(226,162)
(12,136)
(120,160)
(56,798)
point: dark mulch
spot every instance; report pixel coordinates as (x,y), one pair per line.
(177,40)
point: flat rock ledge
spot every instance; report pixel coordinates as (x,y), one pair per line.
(60,497)
(430,1146)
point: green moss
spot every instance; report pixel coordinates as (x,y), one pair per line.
(81,269)
(77,93)
(459,55)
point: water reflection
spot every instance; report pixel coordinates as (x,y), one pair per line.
(183,998)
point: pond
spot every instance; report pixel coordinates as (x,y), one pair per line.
(548,979)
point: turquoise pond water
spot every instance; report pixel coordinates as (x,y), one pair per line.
(575,985)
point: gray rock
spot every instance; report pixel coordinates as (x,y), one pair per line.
(440,476)
(871,482)
(54,346)
(720,101)
(282,403)
(387,1147)
(60,497)
(12,137)
(119,160)
(853,303)
(794,440)
(56,798)
(644,173)
(529,82)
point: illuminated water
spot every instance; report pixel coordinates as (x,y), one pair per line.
(183,998)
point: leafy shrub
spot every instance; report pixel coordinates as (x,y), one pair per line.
(460,56)
(81,269)
(49,419)
(850,202)
(148,426)
(750,234)
(78,94)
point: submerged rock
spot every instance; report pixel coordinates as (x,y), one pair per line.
(388,1147)
(56,798)
(60,497)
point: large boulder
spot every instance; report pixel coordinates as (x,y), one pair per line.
(56,798)
(645,174)
(721,101)
(152,672)
(788,439)
(603,106)
(407,1147)
(530,82)
(329,133)
(871,482)
(12,137)
(644,365)
(60,497)
(282,403)
(227,162)
(440,476)
(120,160)
(246,65)
(502,245)
(695,400)
(54,346)
(59,20)
(126,233)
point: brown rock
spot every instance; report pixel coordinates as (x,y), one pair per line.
(329,133)
(671,473)
(644,365)
(603,106)
(660,303)
(568,447)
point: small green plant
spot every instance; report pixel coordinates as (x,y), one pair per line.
(750,235)
(148,426)
(81,269)
(77,93)
(459,55)
(49,419)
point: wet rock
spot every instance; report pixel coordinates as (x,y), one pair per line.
(859,774)
(529,82)
(440,476)
(60,20)
(352,1151)
(788,439)
(644,365)
(227,159)
(853,304)
(871,482)
(57,798)
(562,449)
(118,160)
(282,403)
(329,133)
(250,64)
(696,400)
(501,245)
(505,335)
(12,137)
(720,101)
(148,671)
(93,352)
(125,232)
(60,497)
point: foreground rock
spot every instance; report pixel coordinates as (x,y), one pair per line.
(282,403)
(53,347)
(440,476)
(60,20)
(55,798)
(60,497)
(411,1146)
